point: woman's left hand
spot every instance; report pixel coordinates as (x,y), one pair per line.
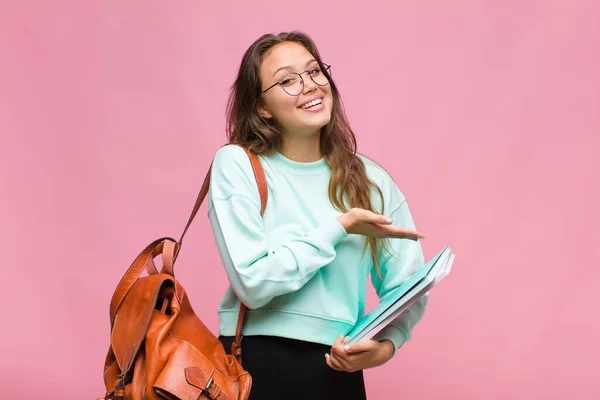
(356,356)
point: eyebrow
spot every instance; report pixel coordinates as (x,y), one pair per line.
(288,67)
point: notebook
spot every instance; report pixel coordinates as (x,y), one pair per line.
(399,299)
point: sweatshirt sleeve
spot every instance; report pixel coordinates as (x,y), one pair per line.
(406,259)
(257,272)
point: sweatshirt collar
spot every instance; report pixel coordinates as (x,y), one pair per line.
(300,168)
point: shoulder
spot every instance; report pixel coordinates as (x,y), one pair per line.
(390,190)
(232,160)
(374,170)
(230,154)
(231,172)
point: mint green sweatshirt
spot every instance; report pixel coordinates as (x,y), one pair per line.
(300,273)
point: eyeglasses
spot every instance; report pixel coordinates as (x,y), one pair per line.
(293,83)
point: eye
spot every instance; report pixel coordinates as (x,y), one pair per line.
(288,80)
(314,71)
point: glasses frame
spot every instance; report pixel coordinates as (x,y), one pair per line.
(325,68)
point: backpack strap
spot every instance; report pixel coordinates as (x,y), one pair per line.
(261,182)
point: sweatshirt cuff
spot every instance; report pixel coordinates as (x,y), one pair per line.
(331,232)
(394,335)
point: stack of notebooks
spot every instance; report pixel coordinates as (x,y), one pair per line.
(399,299)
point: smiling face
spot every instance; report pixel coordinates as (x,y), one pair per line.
(302,115)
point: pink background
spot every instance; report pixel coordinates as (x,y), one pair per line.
(485,112)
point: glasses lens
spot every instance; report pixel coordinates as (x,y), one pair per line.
(319,76)
(292,84)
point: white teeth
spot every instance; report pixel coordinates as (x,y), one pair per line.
(311,103)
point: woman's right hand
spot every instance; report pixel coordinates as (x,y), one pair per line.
(364,222)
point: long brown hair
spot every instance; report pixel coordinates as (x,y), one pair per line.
(338,144)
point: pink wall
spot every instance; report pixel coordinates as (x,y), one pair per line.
(485,112)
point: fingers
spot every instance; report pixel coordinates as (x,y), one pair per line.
(411,235)
(363,215)
(401,233)
(380,219)
(333,363)
(359,347)
(373,218)
(338,359)
(337,350)
(358,356)
(382,225)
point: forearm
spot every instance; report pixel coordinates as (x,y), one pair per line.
(399,331)
(258,272)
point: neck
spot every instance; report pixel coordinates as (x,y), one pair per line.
(302,149)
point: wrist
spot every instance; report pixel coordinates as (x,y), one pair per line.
(344,220)
(387,349)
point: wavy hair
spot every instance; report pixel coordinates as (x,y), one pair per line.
(247,128)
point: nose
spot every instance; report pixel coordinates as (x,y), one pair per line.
(309,84)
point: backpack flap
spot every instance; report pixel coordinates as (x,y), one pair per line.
(133,318)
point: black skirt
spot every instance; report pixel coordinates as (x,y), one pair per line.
(292,369)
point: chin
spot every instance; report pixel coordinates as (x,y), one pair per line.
(312,123)
(317,121)
(324,121)
(317,126)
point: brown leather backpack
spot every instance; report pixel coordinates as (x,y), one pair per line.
(159,348)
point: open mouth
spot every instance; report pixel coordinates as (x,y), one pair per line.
(311,104)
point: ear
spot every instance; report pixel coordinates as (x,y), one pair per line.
(263,112)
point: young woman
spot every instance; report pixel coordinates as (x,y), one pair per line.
(332,218)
